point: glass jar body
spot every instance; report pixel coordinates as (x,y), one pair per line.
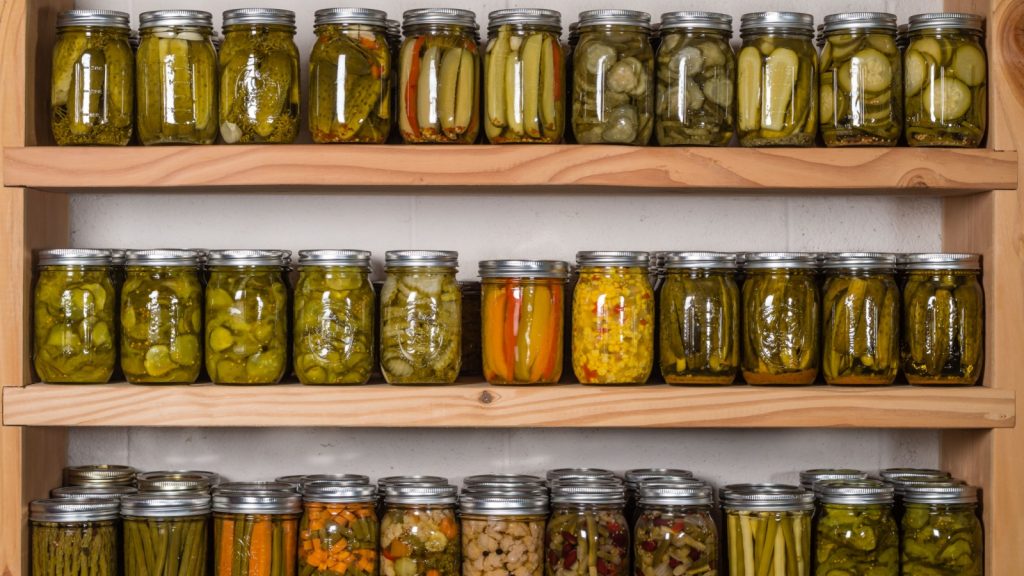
(669,536)
(510,544)
(944,539)
(943,327)
(777,90)
(182,540)
(761,539)
(699,327)
(95,543)
(781,311)
(587,539)
(696,96)
(858,539)
(420,539)
(338,538)
(421,326)
(246,542)
(860,318)
(523,325)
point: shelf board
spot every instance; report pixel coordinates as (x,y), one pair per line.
(480,405)
(773,170)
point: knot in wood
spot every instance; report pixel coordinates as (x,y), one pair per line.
(486,397)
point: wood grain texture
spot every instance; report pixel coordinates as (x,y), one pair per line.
(908,170)
(1006,82)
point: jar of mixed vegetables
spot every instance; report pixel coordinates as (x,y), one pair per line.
(419,533)
(675,531)
(637,477)
(808,478)
(339,533)
(942,534)
(255,527)
(92,492)
(856,532)
(503,529)
(165,534)
(75,537)
(587,533)
(178,481)
(99,475)
(768,527)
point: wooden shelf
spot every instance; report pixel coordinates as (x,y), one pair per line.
(480,405)
(815,171)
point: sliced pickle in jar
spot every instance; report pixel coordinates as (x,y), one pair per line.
(947,99)
(870,68)
(969,65)
(916,72)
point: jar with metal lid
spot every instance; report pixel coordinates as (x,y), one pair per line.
(92,492)
(259,77)
(856,532)
(898,474)
(421,318)
(561,474)
(861,85)
(768,525)
(696,97)
(99,475)
(177,481)
(943,319)
(613,319)
(165,534)
(776,78)
(675,531)
(700,319)
(419,533)
(73,320)
(503,531)
(613,82)
(92,93)
(255,527)
(176,78)
(634,479)
(946,80)
(942,534)
(70,533)
(809,478)
(439,92)
(246,317)
(781,311)
(903,37)
(339,533)
(860,319)
(587,532)
(524,80)
(494,481)
(350,76)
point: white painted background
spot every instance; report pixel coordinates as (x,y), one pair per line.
(500,224)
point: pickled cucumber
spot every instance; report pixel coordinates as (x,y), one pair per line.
(161,324)
(781,327)
(73,327)
(778,92)
(176,76)
(438,103)
(861,318)
(696,90)
(333,342)
(92,88)
(943,328)
(946,89)
(524,95)
(421,328)
(942,540)
(700,328)
(857,539)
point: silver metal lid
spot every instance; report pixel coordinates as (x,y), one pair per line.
(845,21)
(900,474)
(421,258)
(614,18)
(161,257)
(255,497)
(92,492)
(157,18)
(156,505)
(177,481)
(692,19)
(562,473)
(269,16)
(766,497)
(71,510)
(118,256)
(338,491)
(524,269)
(451,16)
(855,492)
(108,18)
(936,261)
(809,477)
(690,494)
(364,16)
(782,21)
(411,479)
(950,492)
(99,475)
(940,20)
(247,257)
(613,258)
(695,260)
(503,479)
(345,479)
(593,492)
(261,486)
(640,475)
(860,261)
(532,16)
(774,260)
(902,486)
(504,503)
(420,494)
(357,258)
(74,257)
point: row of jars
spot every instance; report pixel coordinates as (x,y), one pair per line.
(693,91)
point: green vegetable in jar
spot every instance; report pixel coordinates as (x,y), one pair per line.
(255,544)
(676,539)
(943,327)
(857,539)
(760,542)
(587,541)
(173,546)
(941,540)
(75,548)
(421,328)
(420,541)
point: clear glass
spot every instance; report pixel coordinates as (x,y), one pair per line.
(670,536)
(696,102)
(861,89)
(762,540)
(587,540)
(523,324)
(166,546)
(338,539)
(420,540)
(777,99)
(255,544)
(857,539)
(781,326)
(861,315)
(95,545)
(699,327)
(503,543)
(943,327)
(942,540)
(421,326)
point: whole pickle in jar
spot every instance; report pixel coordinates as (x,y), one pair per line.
(73,325)
(161,323)
(700,328)
(777,92)
(861,342)
(861,90)
(696,89)
(246,326)
(439,90)
(421,328)
(857,539)
(524,91)
(781,327)
(943,328)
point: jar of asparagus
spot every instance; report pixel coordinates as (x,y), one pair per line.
(350,77)
(165,534)
(943,319)
(176,78)
(439,92)
(676,531)
(75,537)
(613,83)
(768,529)
(941,532)
(587,533)
(419,533)
(92,94)
(777,97)
(503,529)
(255,529)
(339,532)
(809,478)
(856,532)
(861,80)
(946,80)
(99,475)
(696,98)
(73,320)
(524,90)
(177,481)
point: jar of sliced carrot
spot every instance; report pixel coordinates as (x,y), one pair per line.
(255,530)
(339,531)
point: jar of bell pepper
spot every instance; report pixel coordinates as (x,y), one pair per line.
(166,534)
(255,526)
(68,534)
(339,533)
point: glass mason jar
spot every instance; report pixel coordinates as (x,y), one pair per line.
(421,318)
(350,75)
(768,525)
(177,481)
(861,85)
(613,83)
(587,532)
(246,317)
(943,319)
(255,528)
(860,319)
(637,477)
(781,311)
(176,78)
(613,319)
(777,98)
(339,533)
(92,492)
(99,475)
(333,318)
(855,530)
(165,534)
(87,531)
(503,529)
(419,533)
(523,320)
(675,528)
(259,77)
(504,481)
(946,81)
(439,92)
(92,94)
(74,317)
(524,82)
(808,478)
(696,96)
(941,531)
(700,319)
(923,478)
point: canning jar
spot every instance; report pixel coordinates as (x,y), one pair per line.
(861,81)
(421,318)
(637,477)
(613,319)
(860,319)
(177,481)
(946,80)
(780,318)
(524,90)
(943,319)
(777,98)
(419,533)
(246,317)
(696,96)
(99,475)
(503,529)
(92,94)
(165,534)
(700,319)
(855,530)
(768,525)
(942,534)
(67,533)
(74,316)
(339,532)
(523,320)
(587,532)
(808,478)
(675,531)
(255,528)
(176,78)
(439,92)
(505,481)
(350,75)
(259,77)
(613,82)
(92,492)
(333,340)
(924,479)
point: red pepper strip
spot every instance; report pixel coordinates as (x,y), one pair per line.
(513,301)
(553,346)
(411,85)
(556,61)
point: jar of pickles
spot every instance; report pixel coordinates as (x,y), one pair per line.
(503,529)
(246,317)
(73,320)
(165,534)
(768,526)
(92,94)
(861,80)
(339,533)
(587,532)
(99,475)
(419,533)
(777,98)
(613,319)
(942,534)
(946,80)
(524,90)
(68,534)
(176,78)
(255,529)
(856,532)
(421,318)
(613,83)
(943,319)
(178,481)
(675,531)
(439,93)
(696,98)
